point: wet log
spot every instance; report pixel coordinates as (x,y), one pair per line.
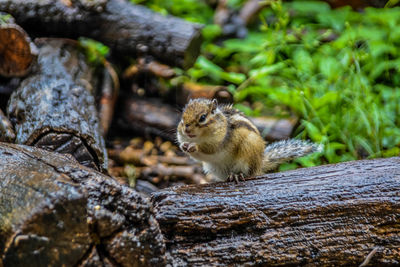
(54,107)
(109,96)
(17,52)
(55,212)
(42,214)
(149,66)
(151,117)
(7,133)
(332,215)
(129,29)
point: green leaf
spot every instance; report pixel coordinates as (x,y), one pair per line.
(233,77)
(391,3)
(212,31)
(261,72)
(313,131)
(94,50)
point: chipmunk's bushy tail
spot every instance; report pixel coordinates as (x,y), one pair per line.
(283,151)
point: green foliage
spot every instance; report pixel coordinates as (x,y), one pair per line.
(191,10)
(4,18)
(95,51)
(338,70)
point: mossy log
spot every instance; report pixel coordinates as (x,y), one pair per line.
(54,107)
(332,215)
(127,28)
(55,212)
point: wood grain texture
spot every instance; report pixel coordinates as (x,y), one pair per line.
(42,213)
(127,28)
(54,107)
(332,215)
(55,212)
(17,52)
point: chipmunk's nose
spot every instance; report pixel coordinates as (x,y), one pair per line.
(187,130)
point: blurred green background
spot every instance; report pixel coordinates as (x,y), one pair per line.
(336,69)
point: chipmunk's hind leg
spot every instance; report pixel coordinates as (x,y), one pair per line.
(236,177)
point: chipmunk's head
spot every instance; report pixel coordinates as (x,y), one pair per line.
(200,118)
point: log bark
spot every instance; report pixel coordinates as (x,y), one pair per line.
(148,66)
(54,108)
(127,28)
(7,133)
(55,212)
(149,118)
(332,215)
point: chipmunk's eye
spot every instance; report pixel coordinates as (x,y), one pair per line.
(203,118)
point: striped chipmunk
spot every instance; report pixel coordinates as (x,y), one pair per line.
(229,145)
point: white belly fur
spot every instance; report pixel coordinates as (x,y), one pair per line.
(221,165)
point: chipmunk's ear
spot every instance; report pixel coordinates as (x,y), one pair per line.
(214,105)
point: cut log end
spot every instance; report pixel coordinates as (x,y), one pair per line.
(55,212)
(17,52)
(192,51)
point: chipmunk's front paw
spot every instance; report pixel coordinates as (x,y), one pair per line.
(236,177)
(188,147)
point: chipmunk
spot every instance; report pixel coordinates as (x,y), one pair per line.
(229,145)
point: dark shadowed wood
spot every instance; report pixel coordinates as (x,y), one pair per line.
(55,212)
(149,117)
(54,107)
(127,28)
(357,4)
(273,128)
(332,215)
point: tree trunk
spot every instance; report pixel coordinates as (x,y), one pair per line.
(56,212)
(127,28)
(54,108)
(332,215)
